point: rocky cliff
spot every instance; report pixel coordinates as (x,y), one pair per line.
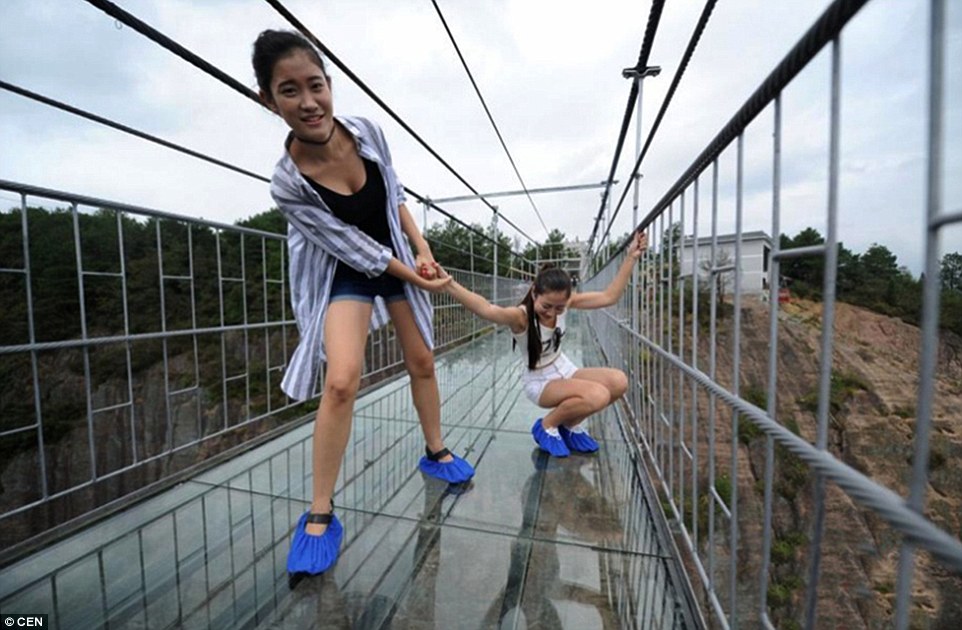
(872,422)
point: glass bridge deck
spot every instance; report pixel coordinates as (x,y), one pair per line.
(530,542)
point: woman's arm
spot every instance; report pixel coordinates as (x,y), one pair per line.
(512,316)
(402,272)
(601,299)
(423,258)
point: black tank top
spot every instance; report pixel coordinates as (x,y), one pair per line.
(366,209)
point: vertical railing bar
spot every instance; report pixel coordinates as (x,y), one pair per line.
(267,331)
(143,575)
(193,321)
(670,250)
(247,346)
(774,285)
(118,214)
(32,336)
(83,335)
(694,364)
(180,604)
(736,378)
(223,343)
(102,578)
(169,437)
(651,326)
(283,271)
(828,324)
(713,338)
(660,374)
(681,355)
(644,395)
(930,302)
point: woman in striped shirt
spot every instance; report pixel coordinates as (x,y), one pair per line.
(351,269)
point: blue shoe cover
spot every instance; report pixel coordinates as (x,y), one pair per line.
(578,440)
(455,471)
(314,554)
(553,444)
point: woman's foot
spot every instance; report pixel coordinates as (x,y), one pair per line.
(317,528)
(549,439)
(315,554)
(446,466)
(576,438)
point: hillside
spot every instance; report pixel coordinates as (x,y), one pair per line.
(875,379)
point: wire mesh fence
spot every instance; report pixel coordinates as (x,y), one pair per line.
(137,344)
(797,491)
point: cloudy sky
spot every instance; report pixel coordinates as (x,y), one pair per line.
(551,73)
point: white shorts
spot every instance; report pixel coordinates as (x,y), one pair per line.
(534,381)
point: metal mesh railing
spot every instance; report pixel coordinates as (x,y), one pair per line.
(137,345)
(782,520)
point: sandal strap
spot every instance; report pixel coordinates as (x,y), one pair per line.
(436,456)
(321,519)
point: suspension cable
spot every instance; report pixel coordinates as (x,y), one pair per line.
(487,111)
(280,8)
(648,40)
(201,156)
(124,128)
(157,37)
(679,73)
(822,31)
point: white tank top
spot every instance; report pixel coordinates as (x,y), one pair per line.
(550,341)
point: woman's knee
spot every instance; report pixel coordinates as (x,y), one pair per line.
(598,396)
(420,364)
(341,388)
(619,384)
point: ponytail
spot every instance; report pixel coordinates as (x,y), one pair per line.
(549,279)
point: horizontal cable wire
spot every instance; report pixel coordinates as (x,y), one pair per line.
(887,504)
(153,34)
(176,147)
(281,9)
(823,31)
(130,130)
(157,37)
(487,111)
(648,40)
(676,80)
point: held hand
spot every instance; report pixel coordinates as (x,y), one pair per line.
(435,285)
(639,245)
(439,270)
(425,266)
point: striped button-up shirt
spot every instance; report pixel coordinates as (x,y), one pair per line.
(318,241)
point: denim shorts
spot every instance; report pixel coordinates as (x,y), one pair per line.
(363,289)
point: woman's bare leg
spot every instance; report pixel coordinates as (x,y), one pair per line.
(419,361)
(345,333)
(614,380)
(572,400)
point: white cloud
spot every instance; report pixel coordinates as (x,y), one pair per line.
(551,73)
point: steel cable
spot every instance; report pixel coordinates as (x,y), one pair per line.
(281,9)
(676,80)
(159,38)
(487,111)
(201,156)
(648,40)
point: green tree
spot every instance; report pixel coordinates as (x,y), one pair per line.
(804,275)
(951,272)
(452,244)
